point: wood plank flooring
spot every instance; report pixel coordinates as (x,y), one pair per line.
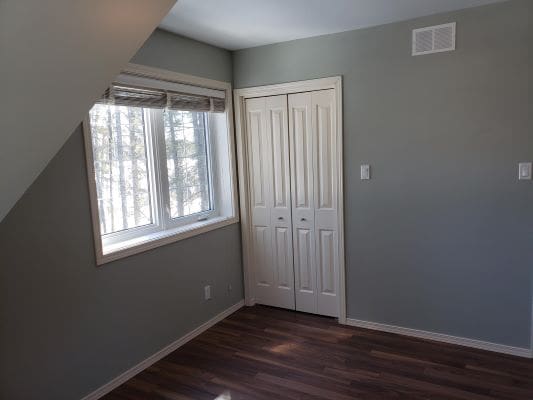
(266,353)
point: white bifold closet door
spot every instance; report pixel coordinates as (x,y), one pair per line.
(270,197)
(293,185)
(314,181)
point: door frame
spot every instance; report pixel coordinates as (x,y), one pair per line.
(240,96)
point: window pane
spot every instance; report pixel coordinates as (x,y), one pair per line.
(121,167)
(187,162)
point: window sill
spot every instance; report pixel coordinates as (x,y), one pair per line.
(125,249)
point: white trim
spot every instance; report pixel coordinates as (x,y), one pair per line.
(127,375)
(93,195)
(440,337)
(171,76)
(334,82)
(531,340)
(165,237)
(240,96)
(143,81)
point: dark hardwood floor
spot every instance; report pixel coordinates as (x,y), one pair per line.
(267,353)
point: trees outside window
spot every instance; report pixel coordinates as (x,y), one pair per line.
(134,189)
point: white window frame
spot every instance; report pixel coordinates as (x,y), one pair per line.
(167,221)
(222,176)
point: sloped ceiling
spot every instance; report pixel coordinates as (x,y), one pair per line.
(56,59)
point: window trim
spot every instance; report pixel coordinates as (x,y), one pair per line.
(220,216)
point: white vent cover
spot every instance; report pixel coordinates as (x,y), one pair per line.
(434,39)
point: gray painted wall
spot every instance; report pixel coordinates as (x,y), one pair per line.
(68,327)
(177,53)
(441,238)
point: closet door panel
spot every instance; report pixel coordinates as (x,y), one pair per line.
(280,216)
(270,201)
(302,160)
(260,194)
(326,192)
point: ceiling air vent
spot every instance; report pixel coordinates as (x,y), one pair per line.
(434,39)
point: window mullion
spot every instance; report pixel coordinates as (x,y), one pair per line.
(159,203)
(161,162)
(214,189)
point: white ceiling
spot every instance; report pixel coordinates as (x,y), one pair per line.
(238,24)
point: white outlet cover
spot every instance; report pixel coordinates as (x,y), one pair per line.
(524,171)
(207,292)
(365,172)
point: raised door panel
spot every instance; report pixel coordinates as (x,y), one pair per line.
(262,256)
(302,155)
(283,255)
(278,127)
(305,262)
(326,262)
(328,282)
(325,153)
(303,203)
(326,192)
(259,166)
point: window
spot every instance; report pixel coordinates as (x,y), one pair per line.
(163,164)
(187,155)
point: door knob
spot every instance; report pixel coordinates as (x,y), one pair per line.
(280,218)
(303,219)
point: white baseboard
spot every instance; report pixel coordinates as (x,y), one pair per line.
(119,380)
(439,337)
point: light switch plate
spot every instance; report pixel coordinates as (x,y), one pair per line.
(524,171)
(365,172)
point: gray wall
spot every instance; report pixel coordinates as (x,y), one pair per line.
(68,327)
(176,53)
(441,238)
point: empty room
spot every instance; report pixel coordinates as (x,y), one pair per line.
(262,200)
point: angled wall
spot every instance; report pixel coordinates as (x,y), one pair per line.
(56,58)
(441,238)
(67,326)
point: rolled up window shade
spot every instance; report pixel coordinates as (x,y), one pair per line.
(181,101)
(134,97)
(135,91)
